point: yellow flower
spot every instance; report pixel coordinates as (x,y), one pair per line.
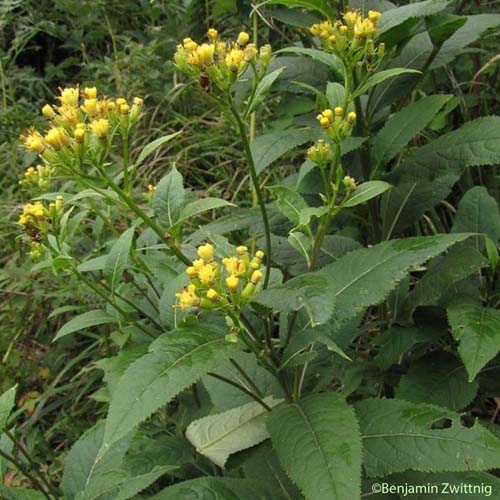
(325,118)
(339,111)
(90,107)
(241,250)
(351,17)
(374,16)
(79,134)
(213,34)
(188,297)
(206,252)
(32,213)
(33,141)
(234,266)
(208,273)
(111,105)
(89,93)
(137,101)
(189,44)
(234,59)
(68,114)
(57,137)
(212,294)
(243,39)
(250,52)
(191,272)
(256,277)
(205,54)
(124,109)
(48,111)
(69,96)
(100,128)
(198,264)
(351,117)
(364,28)
(349,183)
(259,254)
(232,283)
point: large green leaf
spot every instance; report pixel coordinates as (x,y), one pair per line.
(7,400)
(153,146)
(289,202)
(394,17)
(220,488)
(426,177)
(380,77)
(269,147)
(478,213)
(83,321)
(199,206)
(220,435)
(17,493)
(477,330)
(438,378)
(313,292)
(169,198)
(365,277)
(175,361)
(366,191)
(117,259)
(322,6)
(400,435)
(317,441)
(330,60)
(263,88)
(403,126)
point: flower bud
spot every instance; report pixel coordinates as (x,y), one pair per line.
(349,183)
(232,283)
(206,54)
(265,55)
(339,111)
(259,254)
(243,39)
(89,92)
(124,109)
(212,294)
(256,277)
(48,111)
(374,16)
(191,272)
(213,34)
(351,117)
(100,128)
(79,134)
(241,250)
(206,252)
(320,153)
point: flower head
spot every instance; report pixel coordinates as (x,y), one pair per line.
(33,141)
(69,96)
(100,128)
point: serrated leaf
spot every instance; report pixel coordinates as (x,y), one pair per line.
(116,261)
(365,192)
(20,493)
(437,378)
(400,435)
(267,148)
(318,443)
(175,361)
(168,199)
(7,400)
(153,146)
(475,26)
(426,177)
(306,214)
(289,202)
(134,485)
(220,488)
(403,126)
(365,277)
(380,77)
(83,321)
(477,330)
(478,213)
(313,292)
(263,88)
(220,435)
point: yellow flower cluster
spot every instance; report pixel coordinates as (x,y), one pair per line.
(80,120)
(37,176)
(336,124)
(225,284)
(354,35)
(220,61)
(36,214)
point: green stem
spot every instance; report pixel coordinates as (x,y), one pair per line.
(255,181)
(241,388)
(245,375)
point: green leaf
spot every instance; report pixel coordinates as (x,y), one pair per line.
(220,488)
(427,176)
(394,17)
(7,400)
(153,146)
(222,7)
(134,485)
(437,378)
(312,292)
(20,494)
(220,435)
(380,77)
(478,213)
(318,443)
(365,192)
(83,321)
(477,330)
(199,206)
(442,27)
(169,198)
(335,95)
(404,126)
(321,6)
(267,148)
(175,361)
(471,31)
(306,214)
(400,435)
(289,202)
(117,259)
(365,277)
(263,88)
(330,60)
